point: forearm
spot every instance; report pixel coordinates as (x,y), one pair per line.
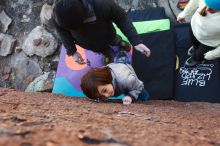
(123,22)
(69,45)
(67,39)
(133,85)
(134,93)
(129,31)
(190,7)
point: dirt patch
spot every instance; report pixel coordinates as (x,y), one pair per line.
(43,119)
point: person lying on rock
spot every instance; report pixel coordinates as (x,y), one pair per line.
(89,23)
(205,30)
(113,80)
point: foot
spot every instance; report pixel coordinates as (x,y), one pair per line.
(213,54)
(190,51)
(190,62)
(121,57)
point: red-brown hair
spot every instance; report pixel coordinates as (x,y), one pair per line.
(203,11)
(93,78)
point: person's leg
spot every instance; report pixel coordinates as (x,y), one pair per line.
(116,40)
(196,52)
(199,53)
(199,48)
(108,53)
(194,41)
(144,95)
(123,45)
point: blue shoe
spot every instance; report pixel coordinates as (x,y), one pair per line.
(121,57)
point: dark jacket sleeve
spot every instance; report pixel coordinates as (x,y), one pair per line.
(66,38)
(115,13)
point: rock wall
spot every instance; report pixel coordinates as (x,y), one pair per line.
(29,50)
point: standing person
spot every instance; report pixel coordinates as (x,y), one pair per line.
(88,23)
(205,30)
(113,80)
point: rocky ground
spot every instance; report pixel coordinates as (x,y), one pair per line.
(44,119)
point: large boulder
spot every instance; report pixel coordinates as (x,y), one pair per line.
(5,21)
(25,70)
(40,42)
(7,44)
(42,83)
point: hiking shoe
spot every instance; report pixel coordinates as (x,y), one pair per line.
(190,51)
(121,57)
(190,62)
